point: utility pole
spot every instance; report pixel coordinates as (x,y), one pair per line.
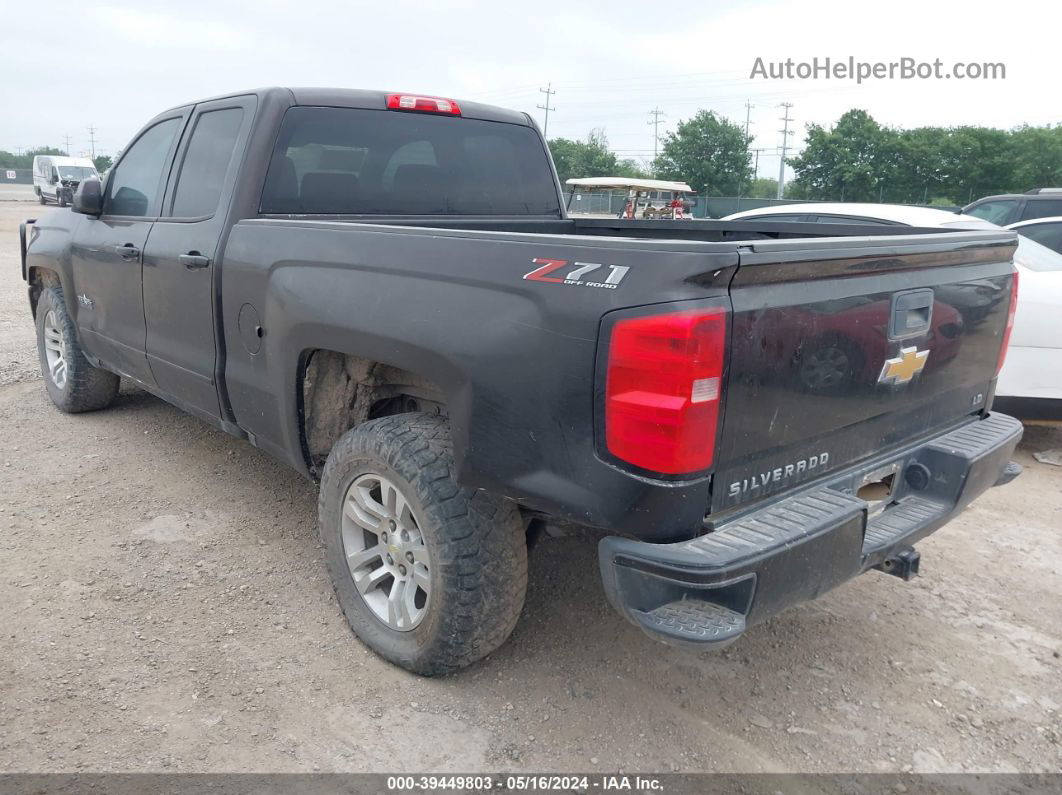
(748,120)
(756,165)
(66,143)
(656,113)
(785,144)
(548,91)
(92,140)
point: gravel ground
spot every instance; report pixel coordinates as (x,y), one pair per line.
(164,606)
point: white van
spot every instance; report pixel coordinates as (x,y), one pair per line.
(55,178)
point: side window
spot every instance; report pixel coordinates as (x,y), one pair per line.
(206,161)
(1049,235)
(1041,208)
(135,185)
(996,212)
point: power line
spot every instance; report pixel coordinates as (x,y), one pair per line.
(548,91)
(92,140)
(785,143)
(66,144)
(656,113)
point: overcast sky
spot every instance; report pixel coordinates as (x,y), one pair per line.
(68,65)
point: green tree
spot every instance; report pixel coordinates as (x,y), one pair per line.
(853,161)
(708,152)
(1037,156)
(860,160)
(589,158)
(763,188)
(102,162)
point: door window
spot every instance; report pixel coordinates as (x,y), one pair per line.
(1041,208)
(206,162)
(135,185)
(996,212)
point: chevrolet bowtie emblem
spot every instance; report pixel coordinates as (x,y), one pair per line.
(904,367)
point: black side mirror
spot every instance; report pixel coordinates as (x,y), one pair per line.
(88,199)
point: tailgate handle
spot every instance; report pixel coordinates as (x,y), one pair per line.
(911,315)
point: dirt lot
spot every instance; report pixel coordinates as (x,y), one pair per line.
(164,606)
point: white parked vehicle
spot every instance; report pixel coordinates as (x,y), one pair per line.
(1032,373)
(55,178)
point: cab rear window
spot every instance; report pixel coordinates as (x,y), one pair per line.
(341,161)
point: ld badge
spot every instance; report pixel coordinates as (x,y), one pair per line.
(904,367)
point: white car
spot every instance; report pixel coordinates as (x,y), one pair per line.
(1031,380)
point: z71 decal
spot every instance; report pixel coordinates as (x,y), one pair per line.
(561,271)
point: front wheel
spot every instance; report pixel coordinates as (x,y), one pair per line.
(60,198)
(430,575)
(73,384)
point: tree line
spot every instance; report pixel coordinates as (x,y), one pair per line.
(857,159)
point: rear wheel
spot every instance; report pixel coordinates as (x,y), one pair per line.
(73,384)
(429,574)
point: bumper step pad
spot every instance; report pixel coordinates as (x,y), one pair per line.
(899,521)
(694,621)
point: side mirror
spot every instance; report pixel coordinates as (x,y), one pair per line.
(88,199)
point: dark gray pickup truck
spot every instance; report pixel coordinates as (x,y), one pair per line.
(385,291)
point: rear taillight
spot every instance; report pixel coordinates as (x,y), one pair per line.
(1010,323)
(423,104)
(662,389)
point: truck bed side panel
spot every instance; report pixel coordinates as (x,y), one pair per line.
(514,356)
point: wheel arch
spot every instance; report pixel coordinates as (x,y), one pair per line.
(337,391)
(38,277)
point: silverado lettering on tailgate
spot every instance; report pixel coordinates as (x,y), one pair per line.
(757,482)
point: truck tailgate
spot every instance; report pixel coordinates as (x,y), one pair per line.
(840,352)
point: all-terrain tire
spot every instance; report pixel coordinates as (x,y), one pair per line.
(475,542)
(85,388)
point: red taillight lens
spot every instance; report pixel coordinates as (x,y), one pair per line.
(663,389)
(424,104)
(1010,323)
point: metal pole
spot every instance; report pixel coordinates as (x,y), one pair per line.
(656,113)
(548,91)
(785,143)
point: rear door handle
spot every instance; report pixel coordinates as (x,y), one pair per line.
(127,251)
(193,260)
